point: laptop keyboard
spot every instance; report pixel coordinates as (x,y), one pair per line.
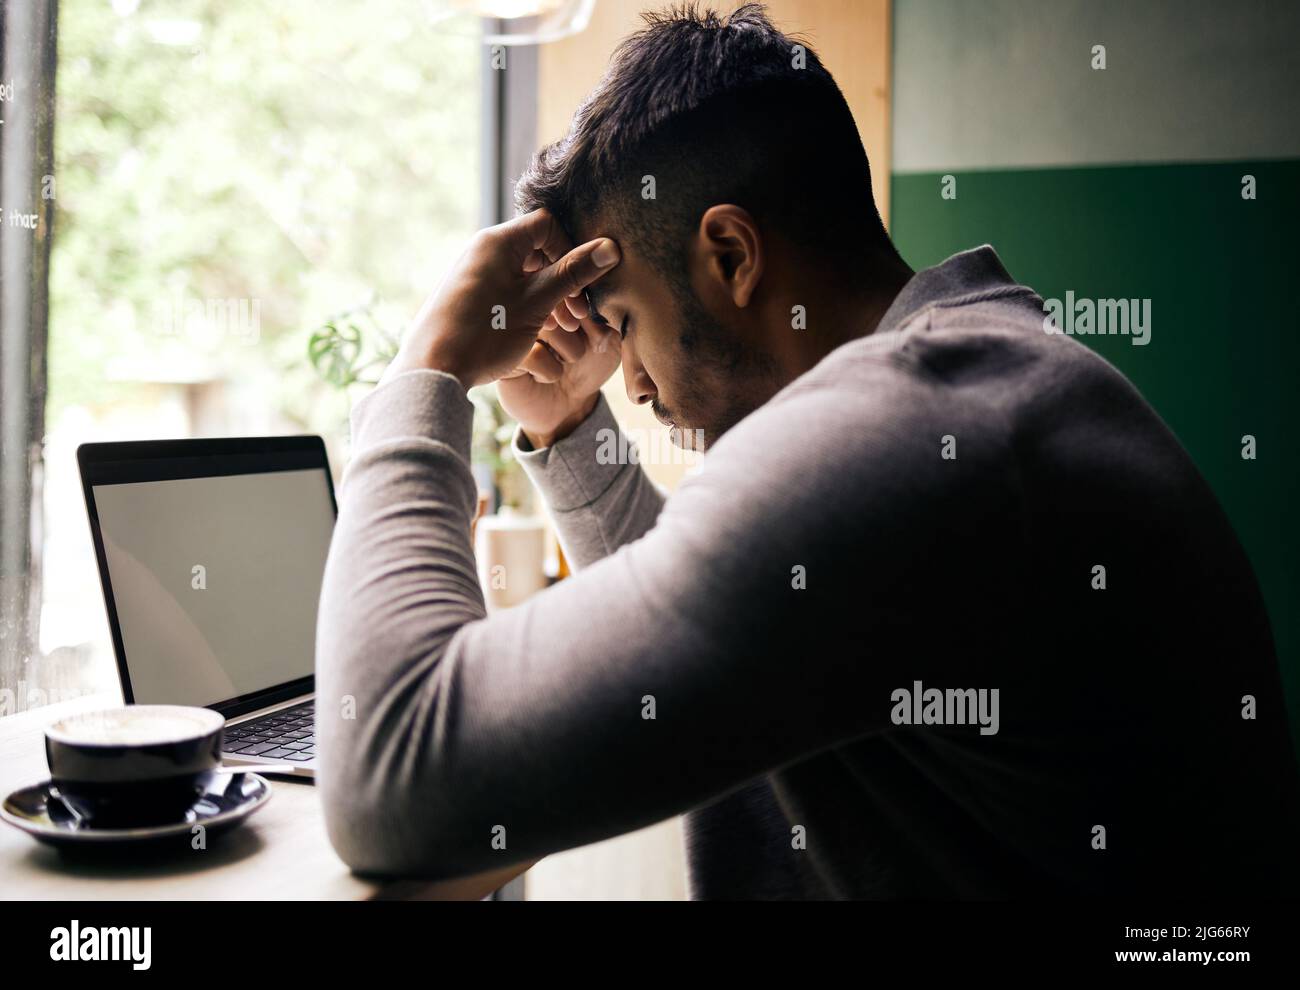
(288,734)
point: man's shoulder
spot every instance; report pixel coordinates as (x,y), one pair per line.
(963,343)
(978,363)
(905,407)
(946,367)
(954,395)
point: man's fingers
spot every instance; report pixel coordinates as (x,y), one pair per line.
(564,318)
(539,231)
(570,346)
(542,364)
(578,306)
(560,283)
(574,272)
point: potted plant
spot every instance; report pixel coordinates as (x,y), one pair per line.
(351,348)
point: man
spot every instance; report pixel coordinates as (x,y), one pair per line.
(946,612)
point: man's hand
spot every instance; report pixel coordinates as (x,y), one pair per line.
(483,321)
(557,386)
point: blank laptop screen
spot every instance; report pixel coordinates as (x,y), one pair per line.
(216,580)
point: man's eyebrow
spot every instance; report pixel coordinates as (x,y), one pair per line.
(596,292)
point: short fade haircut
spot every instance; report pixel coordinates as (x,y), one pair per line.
(717,110)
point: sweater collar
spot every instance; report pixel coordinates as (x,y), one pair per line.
(967,276)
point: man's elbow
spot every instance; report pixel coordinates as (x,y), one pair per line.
(378,816)
(368,845)
(359,839)
(374,834)
(380,760)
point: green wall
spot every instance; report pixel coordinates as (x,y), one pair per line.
(1222,273)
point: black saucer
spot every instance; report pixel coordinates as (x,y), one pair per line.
(227,799)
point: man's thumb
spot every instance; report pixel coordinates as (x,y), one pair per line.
(575,271)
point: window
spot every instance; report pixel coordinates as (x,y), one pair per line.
(228,175)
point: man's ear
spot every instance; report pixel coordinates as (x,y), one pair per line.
(730,246)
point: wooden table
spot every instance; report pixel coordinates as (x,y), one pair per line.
(281,852)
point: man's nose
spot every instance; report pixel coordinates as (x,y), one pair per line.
(640,389)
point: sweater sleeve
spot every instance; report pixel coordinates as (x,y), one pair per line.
(655,679)
(597,493)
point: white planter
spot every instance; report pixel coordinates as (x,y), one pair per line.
(511,552)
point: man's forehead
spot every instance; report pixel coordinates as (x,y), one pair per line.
(600,291)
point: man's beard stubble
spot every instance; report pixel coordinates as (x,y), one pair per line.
(719,375)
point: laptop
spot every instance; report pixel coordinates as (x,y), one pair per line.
(211,554)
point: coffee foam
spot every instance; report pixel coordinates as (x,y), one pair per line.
(137,725)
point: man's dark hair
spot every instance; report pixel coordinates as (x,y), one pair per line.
(717,110)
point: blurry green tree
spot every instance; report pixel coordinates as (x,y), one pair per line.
(312,155)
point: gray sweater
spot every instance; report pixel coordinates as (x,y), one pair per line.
(871,629)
